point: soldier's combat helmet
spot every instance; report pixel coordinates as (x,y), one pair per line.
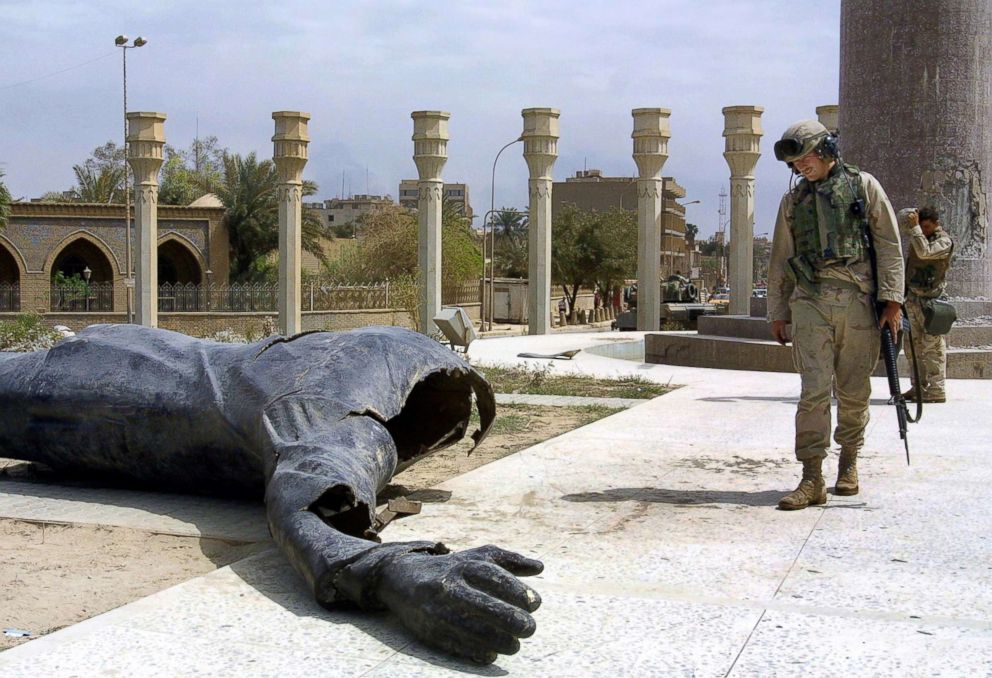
(799,139)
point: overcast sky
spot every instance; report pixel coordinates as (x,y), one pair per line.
(360,68)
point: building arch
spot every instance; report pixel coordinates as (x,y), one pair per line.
(76,239)
(12,267)
(79,254)
(179,261)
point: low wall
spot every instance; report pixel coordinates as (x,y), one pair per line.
(248,324)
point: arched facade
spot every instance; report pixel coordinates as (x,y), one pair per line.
(80,253)
(10,267)
(45,238)
(87,275)
(10,278)
(178,262)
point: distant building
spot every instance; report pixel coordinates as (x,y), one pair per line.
(590,190)
(338,212)
(454,193)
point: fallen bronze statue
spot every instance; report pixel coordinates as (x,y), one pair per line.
(317,424)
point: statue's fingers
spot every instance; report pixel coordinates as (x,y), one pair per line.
(450,638)
(484,623)
(510,561)
(497,582)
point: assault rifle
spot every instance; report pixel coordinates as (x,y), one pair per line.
(889,355)
(889,351)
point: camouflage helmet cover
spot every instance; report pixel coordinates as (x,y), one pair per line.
(800,139)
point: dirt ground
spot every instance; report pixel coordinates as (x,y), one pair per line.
(57,575)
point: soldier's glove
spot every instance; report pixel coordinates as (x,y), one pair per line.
(468,603)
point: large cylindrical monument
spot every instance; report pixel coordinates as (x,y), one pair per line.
(916,111)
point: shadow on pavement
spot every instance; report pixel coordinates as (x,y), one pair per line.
(682,497)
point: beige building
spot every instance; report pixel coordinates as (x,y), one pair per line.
(590,190)
(455,193)
(88,241)
(344,211)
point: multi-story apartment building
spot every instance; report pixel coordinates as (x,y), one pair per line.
(590,190)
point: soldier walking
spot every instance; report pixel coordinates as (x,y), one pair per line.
(820,280)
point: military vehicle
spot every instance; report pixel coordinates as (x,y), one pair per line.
(679,303)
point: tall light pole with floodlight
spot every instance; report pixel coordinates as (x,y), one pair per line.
(121,41)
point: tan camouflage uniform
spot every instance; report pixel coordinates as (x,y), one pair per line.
(931,349)
(835,335)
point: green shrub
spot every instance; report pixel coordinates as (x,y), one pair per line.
(26,332)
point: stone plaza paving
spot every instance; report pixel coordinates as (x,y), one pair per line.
(664,554)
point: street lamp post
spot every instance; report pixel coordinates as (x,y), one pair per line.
(487,309)
(489,306)
(121,41)
(86,276)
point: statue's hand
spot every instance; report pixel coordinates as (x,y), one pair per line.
(468,603)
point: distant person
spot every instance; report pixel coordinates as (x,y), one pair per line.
(820,279)
(927,262)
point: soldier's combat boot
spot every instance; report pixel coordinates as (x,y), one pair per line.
(811,491)
(847,473)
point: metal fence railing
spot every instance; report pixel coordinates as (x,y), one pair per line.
(263,297)
(461,294)
(10,297)
(83,297)
(238,298)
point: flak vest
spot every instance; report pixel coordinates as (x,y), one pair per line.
(928,277)
(842,235)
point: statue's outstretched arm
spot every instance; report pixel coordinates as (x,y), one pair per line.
(320,500)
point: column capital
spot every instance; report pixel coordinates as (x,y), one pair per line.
(651,134)
(540,137)
(289,144)
(829,117)
(742,133)
(430,143)
(145,140)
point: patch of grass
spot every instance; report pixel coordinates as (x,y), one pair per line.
(543,382)
(514,419)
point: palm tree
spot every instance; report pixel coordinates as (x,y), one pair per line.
(103,185)
(510,243)
(5,201)
(248,189)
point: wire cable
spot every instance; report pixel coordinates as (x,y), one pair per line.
(53,74)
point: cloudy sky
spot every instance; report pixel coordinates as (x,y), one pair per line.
(360,68)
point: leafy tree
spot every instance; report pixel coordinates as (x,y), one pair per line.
(5,201)
(248,189)
(461,258)
(388,247)
(99,185)
(189,173)
(510,246)
(593,249)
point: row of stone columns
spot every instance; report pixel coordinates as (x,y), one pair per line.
(430,144)
(742,133)
(146,139)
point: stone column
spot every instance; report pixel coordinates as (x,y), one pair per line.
(829,117)
(430,152)
(540,151)
(916,112)
(651,134)
(289,153)
(145,139)
(742,131)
